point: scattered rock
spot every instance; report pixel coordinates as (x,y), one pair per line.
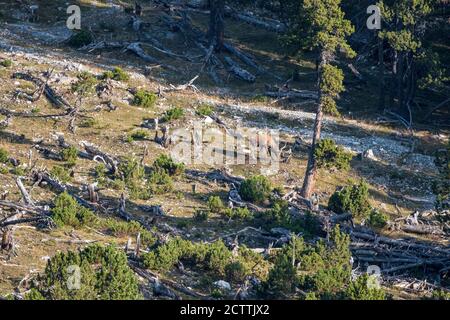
(368,154)
(420,163)
(223,285)
(160,289)
(281,232)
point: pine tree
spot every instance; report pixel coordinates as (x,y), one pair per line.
(327,32)
(405,23)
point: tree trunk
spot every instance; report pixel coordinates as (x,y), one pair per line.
(216,24)
(7,240)
(393,78)
(311,169)
(381,104)
(400,75)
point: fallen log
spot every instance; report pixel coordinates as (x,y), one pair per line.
(102,45)
(23,220)
(294,94)
(136,48)
(214,175)
(25,195)
(59,187)
(153,277)
(245,58)
(57,100)
(94,154)
(423,229)
(49,153)
(268,24)
(247,17)
(238,72)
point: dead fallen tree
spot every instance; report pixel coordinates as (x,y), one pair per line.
(96,154)
(56,99)
(395,255)
(40,176)
(214,175)
(421,223)
(238,72)
(137,49)
(247,17)
(265,23)
(292,94)
(155,279)
(369,248)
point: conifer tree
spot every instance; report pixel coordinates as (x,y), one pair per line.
(327,30)
(403,31)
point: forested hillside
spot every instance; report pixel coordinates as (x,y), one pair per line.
(224,149)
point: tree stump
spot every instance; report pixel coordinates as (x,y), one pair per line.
(7,243)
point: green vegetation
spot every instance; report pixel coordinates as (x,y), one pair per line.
(7,63)
(139,134)
(85,84)
(256,189)
(88,123)
(215,204)
(236,272)
(322,271)
(117,74)
(201,215)
(4,156)
(80,38)
(70,156)
(140,184)
(205,110)
(212,257)
(353,199)
(144,98)
(360,289)
(440,295)
(160,182)
(174,113)
(441,187)
(61,174)
(67,212)
(119,228)
(104,274)
(377,219)
(166,163)
(237,213)
(133,176)
(329,155)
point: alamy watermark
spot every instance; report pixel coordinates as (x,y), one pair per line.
(74,20)
(74,277)
(374,20)
(223,147)
(374,279)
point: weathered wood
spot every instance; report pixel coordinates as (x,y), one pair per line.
(136,48)
(95,153)
(25,195)
(238,72)
(7,243)
(294,94)
(57,100)
(60,187)
(153,277)
(93,195)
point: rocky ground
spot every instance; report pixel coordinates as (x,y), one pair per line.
(399,165)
